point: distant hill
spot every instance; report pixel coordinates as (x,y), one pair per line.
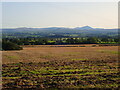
(57,28)
(59,31)
(84,28)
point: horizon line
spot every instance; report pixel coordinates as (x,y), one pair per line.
(58,27)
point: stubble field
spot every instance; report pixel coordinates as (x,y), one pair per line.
(87,66)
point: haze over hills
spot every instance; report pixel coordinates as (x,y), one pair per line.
(85,31)
(59,28)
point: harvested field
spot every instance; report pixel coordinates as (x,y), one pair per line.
(61,67)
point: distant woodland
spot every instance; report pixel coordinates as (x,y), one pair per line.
(13,38)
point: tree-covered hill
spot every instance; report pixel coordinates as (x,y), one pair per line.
(59,32)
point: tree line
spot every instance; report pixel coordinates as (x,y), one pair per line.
(57,41)
(14,43)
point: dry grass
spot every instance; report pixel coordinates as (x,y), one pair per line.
(61,67)
(43,54)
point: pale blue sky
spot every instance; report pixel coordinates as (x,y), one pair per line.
(59,14)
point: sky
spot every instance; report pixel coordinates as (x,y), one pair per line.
(59,14)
